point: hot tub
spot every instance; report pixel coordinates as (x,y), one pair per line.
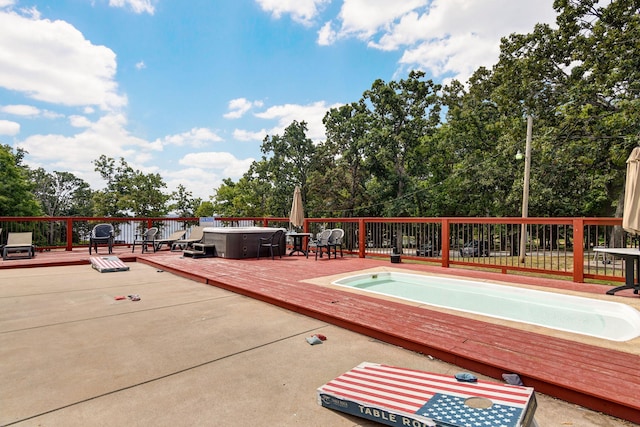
(239,242)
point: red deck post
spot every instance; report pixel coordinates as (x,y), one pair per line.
(578,250)
(362,238)
(69,234)
(445,242)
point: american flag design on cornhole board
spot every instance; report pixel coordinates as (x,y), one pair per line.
(405,397)
(108,264)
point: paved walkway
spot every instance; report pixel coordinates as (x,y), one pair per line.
(186,354)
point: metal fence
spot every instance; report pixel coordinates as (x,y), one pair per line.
(555,246)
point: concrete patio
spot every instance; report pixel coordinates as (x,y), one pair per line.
(186,354)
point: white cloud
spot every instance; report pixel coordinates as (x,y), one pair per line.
(364,18)
(239,106)
(9,128)
(79,121)
(202,177)
(137,6)
(75,153)
(31,12)
(327,35)
(51,114)
(51,61)
(247,135)
(199,182)
(226,163)
(302,11)
(6,3)
(140,65)
(312,114)
(443,37)
(20,110)
(196,137)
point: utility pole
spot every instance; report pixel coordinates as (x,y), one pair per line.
(525,188)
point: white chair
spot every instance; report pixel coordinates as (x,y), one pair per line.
(322,241)
(336,240)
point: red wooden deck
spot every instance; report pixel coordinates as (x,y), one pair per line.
(597,376)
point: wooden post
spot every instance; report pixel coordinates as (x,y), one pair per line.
(578,250)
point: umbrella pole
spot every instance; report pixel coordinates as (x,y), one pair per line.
(525,189)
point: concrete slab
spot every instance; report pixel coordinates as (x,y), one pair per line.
(186,354)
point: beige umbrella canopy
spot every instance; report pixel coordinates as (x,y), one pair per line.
(631,214)
(296,217)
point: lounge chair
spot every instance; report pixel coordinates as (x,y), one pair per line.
(196,235)
(272,242)
(147,238)
(169,241)
(101,233)
(21,243)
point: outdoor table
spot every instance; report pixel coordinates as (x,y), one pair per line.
(298,242)
(631,258)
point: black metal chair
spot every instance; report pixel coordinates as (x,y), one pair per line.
(273,241)
(101,234)
(147,238)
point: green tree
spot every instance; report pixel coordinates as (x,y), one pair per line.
(129,192)
(62,193)
(581,84)
(287,161)
(340,181)
(205,210)
(16,196)
(184,204)
(470,162)
(390,155)
(241,199)
(401,114)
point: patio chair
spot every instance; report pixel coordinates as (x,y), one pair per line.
(103,234)
(21,243)
(196,235)
(174,237)
(322,241)
(272,242)
(147,238)
(336,240)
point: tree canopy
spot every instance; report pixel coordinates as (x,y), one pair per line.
(16,189)
(129,192)
(412,147)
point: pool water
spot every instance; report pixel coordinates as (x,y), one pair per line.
(603,319)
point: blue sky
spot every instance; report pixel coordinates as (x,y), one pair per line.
(189,89)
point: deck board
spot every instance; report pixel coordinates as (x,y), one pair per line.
(583,373)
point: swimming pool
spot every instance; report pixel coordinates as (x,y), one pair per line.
(603,319)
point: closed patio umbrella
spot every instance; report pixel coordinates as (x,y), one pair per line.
(631,213)
(296,217)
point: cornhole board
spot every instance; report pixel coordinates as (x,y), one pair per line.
(404,397)
(108,264)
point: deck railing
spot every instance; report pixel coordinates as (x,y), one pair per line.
(560,247)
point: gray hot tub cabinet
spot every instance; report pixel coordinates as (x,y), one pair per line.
(239,242)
